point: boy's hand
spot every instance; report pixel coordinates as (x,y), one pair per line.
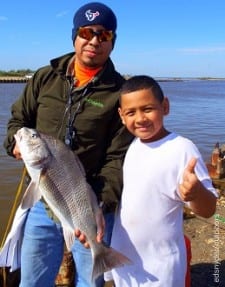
(190,185)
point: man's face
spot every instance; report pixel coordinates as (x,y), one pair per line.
(92,53)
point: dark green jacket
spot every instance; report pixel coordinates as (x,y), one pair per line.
(100,138)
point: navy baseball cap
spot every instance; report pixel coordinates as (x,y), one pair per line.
(94,13)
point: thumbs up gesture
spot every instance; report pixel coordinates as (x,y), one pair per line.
(190,184)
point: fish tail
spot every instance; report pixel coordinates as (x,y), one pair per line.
(107,259)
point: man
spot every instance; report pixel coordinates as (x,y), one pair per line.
(75,99)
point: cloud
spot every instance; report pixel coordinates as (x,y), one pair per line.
(202,50)
(61,14)
(3,18)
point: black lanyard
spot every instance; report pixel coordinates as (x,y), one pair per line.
(71,135)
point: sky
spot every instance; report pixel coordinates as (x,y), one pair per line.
(160,38)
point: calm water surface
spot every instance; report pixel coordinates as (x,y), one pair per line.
(197,111)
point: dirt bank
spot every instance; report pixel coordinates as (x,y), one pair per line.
(208,248)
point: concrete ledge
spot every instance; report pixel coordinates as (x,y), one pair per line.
(13,79)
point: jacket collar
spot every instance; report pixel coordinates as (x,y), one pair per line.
(64,66)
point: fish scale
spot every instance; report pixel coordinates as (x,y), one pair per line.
(68,178)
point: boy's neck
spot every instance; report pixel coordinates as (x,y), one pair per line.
(160,135)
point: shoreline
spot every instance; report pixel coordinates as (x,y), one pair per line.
(16,79)
(13,79)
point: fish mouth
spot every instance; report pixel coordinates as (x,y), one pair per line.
(17,137)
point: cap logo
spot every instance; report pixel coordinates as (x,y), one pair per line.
(91,15)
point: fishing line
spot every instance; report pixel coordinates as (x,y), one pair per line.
(13,211)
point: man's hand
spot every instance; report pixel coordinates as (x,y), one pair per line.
(100,221)
(190,185)
(16,152)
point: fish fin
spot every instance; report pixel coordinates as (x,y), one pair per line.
(108,258)
(69,236)
(32,193)
(10,253)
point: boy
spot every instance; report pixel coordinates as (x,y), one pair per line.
(162,171)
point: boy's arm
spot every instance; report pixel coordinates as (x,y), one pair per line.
(201,200)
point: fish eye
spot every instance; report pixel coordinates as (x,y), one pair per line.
(34,135)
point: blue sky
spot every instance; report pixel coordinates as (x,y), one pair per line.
(161,38)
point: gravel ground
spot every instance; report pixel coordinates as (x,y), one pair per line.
(208,248)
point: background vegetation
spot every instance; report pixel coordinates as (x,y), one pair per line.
(15,73)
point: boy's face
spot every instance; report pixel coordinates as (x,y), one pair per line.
(143,114)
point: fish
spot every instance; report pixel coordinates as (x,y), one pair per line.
(58,176)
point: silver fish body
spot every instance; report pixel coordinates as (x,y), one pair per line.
(58,176)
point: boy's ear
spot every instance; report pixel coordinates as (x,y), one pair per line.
(121,115)
(166,106)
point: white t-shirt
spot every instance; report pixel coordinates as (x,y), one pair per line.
(149,225)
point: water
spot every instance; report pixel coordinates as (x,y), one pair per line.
(197,111)
(10,169)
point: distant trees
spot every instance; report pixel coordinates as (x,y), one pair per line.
(16,73)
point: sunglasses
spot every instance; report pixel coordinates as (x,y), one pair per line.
(88,34)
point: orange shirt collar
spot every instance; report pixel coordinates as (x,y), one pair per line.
(83,74)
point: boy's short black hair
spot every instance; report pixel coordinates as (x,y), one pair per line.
(142,82)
